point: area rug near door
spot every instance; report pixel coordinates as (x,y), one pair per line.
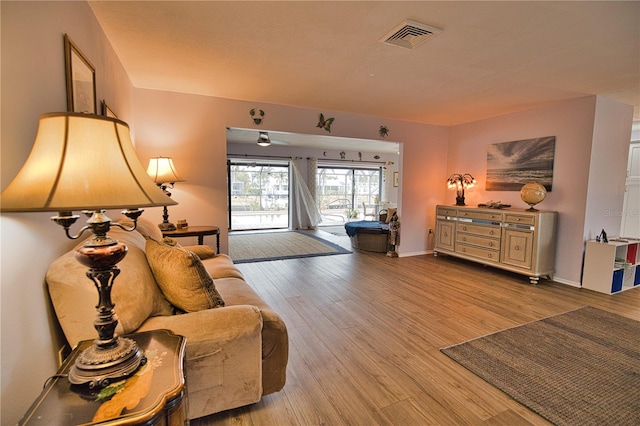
(260,247)
(577,368)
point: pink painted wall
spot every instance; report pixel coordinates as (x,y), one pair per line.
(192,130)
(572,123)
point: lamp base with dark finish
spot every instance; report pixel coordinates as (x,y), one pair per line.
(97,367)
(166,225)
(110,357)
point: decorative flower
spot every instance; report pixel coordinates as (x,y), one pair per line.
(384,131)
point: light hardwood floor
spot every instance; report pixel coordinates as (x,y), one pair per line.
(365,332)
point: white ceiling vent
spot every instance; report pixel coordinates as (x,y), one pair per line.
(409,34)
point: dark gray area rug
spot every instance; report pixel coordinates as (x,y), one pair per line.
(265,246)
(577,368)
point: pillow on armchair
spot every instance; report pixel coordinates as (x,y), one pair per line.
(182,277)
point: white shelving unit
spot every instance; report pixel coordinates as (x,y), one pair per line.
(611,267)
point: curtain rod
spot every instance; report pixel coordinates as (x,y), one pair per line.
(259,156)
(308,158)
(349,161)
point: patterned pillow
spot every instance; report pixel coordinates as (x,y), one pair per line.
(182,277)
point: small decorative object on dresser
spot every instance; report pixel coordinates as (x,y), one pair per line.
(460,182)
(516,240)
(533,193)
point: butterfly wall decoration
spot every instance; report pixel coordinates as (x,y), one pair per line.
(325,124)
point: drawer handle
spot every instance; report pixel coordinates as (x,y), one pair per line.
(464,228)
(446,235)
(489,255)
(490,243)
(516,248)
(464,249)
(464,238)
(491,232)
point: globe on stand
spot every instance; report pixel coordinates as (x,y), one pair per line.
(532,193)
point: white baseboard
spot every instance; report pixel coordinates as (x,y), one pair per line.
(567,282)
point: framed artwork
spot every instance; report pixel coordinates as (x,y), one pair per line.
(395,179)
(106,111)
(512,164)
(81,80)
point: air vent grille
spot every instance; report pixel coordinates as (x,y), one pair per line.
(409,34)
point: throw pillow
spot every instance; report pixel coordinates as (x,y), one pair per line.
(182,277)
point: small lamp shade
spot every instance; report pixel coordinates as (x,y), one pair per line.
(162,170)
(81,162)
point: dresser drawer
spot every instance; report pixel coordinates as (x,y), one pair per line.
(477,240)
(488,231)
(446,211)
(482,253)
(520,219)
(481,215)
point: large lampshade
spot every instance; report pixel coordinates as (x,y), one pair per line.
(81,162)
(87,162)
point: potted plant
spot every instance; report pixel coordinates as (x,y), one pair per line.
(351,214)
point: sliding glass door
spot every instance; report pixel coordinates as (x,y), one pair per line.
(347,193)
(258,195)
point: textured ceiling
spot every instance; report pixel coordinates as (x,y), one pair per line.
(492,58)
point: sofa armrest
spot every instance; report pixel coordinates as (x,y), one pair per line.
(223,356)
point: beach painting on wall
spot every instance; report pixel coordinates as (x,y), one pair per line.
(512,164)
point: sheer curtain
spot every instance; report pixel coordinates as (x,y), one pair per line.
(305,212)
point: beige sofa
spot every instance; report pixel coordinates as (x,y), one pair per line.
(234,354)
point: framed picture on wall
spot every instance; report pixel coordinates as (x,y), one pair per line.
(106,111)
(513,164)
(395,179)
(81,80)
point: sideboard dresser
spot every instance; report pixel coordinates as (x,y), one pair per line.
(519,241)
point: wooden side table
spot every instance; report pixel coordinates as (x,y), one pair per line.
(154,395)
(196,231)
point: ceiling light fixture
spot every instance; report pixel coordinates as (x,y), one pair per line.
(263,139)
